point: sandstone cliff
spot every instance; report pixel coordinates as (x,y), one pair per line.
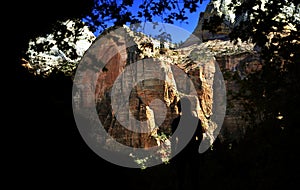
(143,110)
(238,59)
(154,99)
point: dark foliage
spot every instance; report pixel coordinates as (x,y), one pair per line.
(273,88)
(51,151)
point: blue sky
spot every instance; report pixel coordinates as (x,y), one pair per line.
(180,30)
(192,17)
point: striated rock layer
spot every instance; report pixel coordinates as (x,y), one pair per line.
(151,93)
(146,89)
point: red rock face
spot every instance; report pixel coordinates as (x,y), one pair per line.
(152,101)
(235,122)
(154,91)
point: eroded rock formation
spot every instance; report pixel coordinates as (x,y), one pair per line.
(145,97)
(154,85)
